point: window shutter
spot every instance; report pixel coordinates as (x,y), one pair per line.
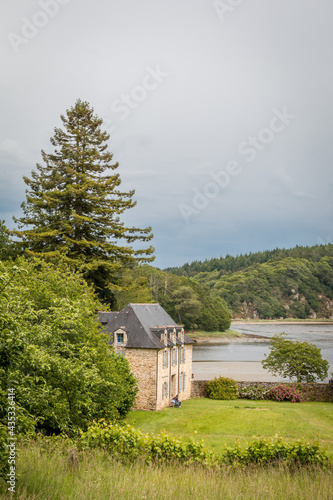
(167,390)
(180,383)
(184,381)
(162,391)
(184,354)
(167,359)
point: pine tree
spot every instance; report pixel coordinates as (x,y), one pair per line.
(73,204)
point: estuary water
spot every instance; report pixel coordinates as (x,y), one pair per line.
(242,361)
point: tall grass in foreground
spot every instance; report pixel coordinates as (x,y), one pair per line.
(51,473)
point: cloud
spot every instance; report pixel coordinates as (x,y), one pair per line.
(224,80)
(288,183)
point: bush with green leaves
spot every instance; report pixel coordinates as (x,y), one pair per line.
(255,392)
(222,388)
(52,350)
(277,450)
(285,393)
(126,443)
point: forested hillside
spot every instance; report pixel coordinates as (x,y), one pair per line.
(295,283)
(185,299)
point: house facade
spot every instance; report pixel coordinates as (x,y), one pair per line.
(157,349)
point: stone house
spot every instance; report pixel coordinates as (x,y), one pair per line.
(157,349)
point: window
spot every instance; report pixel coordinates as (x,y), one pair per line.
(165,359)
(165,390)
(174,357)
(120,338)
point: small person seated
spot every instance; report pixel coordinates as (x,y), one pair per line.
(176,402)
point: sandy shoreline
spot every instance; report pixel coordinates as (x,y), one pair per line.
(280,322)
(250,371)
(245,339)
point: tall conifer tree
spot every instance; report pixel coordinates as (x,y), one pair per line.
(73,204)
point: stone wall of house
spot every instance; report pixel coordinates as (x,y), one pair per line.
(311,392)
(173,374)
(163,376)
(186,368)
(143,364)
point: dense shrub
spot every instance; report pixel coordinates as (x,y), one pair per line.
(285,393)
(255,392)
(128,444)
(52,351)
(276,450)
(222,388)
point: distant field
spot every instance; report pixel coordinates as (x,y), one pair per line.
(222,422)
(200,334)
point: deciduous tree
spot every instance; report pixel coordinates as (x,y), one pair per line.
(292,359)
(52,350)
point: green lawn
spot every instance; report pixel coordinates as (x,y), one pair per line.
(222,422)
(200,334)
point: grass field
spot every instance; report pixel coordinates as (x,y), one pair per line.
(220,422)
(63,474)
(60,472)
(52,473)
(200,334)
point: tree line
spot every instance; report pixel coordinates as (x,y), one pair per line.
(231,264)
(285,287)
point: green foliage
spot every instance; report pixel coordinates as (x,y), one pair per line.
(53,352)
(285,393)
(186,303)
(128,444)
(281,283)
(222,388)
(73,205)
(54,472)
(276,450)
(255,392)
(184,299)
(230,264)
(7,248)
(300,360)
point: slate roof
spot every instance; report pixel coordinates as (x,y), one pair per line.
(143,324)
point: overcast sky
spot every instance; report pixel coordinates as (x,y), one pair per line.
(220,113)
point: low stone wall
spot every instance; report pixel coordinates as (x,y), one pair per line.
(311,392)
